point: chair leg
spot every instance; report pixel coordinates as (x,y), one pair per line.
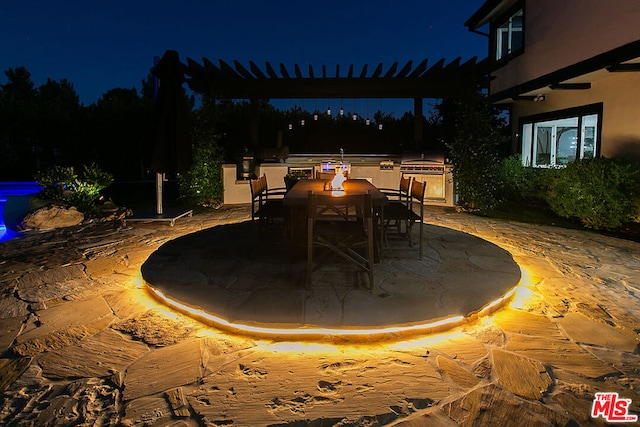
(309,252)
(421,225)
(370,254)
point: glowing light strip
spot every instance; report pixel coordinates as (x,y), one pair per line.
(307,332)
(494,305)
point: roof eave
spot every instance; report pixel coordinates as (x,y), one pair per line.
(609,60)
(482,15)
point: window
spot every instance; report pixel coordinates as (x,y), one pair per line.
(510,36)
(556,142)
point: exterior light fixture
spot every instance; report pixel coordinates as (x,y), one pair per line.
(341,111)
(290,126)
(301,122)
(315,116)
(367,122)
(379,126)
(329,111)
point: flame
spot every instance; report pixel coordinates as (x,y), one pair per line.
(336,184)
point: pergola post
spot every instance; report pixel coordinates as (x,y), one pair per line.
(254,125)
(417,123)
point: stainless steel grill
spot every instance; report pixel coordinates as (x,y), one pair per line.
(428,167)
(423,164)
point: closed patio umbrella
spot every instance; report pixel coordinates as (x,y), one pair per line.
(170,137)
(171,140)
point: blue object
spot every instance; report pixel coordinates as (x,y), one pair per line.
(14,204)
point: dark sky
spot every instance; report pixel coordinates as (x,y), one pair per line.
(99,45)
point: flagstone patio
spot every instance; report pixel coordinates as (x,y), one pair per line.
(251,277)
(84,343)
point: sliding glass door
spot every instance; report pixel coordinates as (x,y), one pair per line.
(556,142)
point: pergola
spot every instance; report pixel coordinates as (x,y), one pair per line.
(440,80)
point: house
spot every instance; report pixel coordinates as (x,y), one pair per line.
(569,72)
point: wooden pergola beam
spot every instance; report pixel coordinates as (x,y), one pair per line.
(238,82)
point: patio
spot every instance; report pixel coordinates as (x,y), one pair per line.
(82,335)
(257,286)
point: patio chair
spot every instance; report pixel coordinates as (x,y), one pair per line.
(400,214)
(353,240)
(400,196)
(266,204)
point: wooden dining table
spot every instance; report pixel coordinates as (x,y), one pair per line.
(297,199)
(299,194)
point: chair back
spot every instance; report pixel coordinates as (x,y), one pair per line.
(405,184)
(256,195)
(417,198)
(265,187)
(404,193)
(417,190)
(256,188)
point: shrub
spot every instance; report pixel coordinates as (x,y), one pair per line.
(477,140)
(202,184)
(64,185)
(600,192)
(476,173)
(523,183)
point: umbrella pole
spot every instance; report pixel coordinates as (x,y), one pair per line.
(159,182)
(160,215)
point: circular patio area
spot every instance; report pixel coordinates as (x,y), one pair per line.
(245,281)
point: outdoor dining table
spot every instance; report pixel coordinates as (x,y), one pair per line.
(297,199)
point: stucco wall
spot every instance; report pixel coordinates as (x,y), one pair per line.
(620,94)
(561,33)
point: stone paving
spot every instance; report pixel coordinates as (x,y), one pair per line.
(84,344)
(251,276)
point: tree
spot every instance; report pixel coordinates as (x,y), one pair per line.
(202,183)
(477,141)
(119,135)
(18,123)
(57,135)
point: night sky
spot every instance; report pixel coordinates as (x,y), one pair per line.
(100,45)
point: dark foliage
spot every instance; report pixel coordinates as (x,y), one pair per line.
(478,141)
(47,126)
(600,192)
(202,183)
(62,184)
